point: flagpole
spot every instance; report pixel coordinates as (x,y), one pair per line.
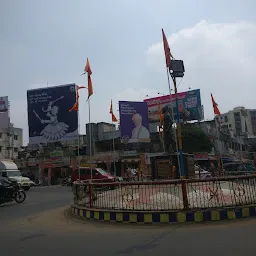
(219,143)
(78,144)
(90,137)
(113,138)
(175,134)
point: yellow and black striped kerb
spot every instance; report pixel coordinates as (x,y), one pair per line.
(165,217)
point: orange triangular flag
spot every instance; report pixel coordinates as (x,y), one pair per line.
(114,119)
(90,89)
(75,106)
(167,51)
(87,68)
(215,106)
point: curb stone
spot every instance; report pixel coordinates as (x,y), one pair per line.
(165,217)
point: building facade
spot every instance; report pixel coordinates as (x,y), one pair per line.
(11,141)
(239,122)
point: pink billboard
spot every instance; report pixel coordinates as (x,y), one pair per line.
(189,104)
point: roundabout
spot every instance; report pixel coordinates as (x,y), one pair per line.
(171,201)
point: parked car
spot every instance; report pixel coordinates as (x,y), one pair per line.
(237,168)
(201,173)
(98,175)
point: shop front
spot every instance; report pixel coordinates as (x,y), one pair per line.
(108,161)
(54,169)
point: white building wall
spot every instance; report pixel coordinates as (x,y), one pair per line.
(14,142)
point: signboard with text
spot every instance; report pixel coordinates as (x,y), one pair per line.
(189,105)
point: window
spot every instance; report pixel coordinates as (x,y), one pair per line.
(15,137)
(226,119)
(15,150)
(0,135)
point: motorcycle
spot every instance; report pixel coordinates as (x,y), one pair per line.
(12,192)
(66,182)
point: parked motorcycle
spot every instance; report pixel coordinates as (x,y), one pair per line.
(66,182)
(11,191)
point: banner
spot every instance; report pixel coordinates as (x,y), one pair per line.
(49,119)
(134,124)
(4,115)
(189,103)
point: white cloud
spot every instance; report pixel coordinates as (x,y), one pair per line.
(218,58)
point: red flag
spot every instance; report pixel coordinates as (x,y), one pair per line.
(167,51)
(75,106)
(215,106)
(87,68)
(90,88)
(114,119)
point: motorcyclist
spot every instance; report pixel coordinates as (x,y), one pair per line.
(5,185)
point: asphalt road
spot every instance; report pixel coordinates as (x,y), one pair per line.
(38,199)
(43,226)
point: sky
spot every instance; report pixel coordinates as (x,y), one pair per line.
(46,43)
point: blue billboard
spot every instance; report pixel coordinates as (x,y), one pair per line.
(134,121)
(49,119)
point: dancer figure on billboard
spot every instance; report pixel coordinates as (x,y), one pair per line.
(139,132)
(55,130)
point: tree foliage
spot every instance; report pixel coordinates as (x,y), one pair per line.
(195,140)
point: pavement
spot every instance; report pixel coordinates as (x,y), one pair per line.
(43,225)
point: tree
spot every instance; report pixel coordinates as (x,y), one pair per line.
(195,140)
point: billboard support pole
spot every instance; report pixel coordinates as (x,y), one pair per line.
(90,136)
(175,135)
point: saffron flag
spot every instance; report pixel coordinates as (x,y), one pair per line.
(75,106)
(90,88)
(167,51)
(114,119)
(215,106)
(87,68)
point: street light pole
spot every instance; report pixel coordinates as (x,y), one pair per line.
(175,135)
(182,171)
